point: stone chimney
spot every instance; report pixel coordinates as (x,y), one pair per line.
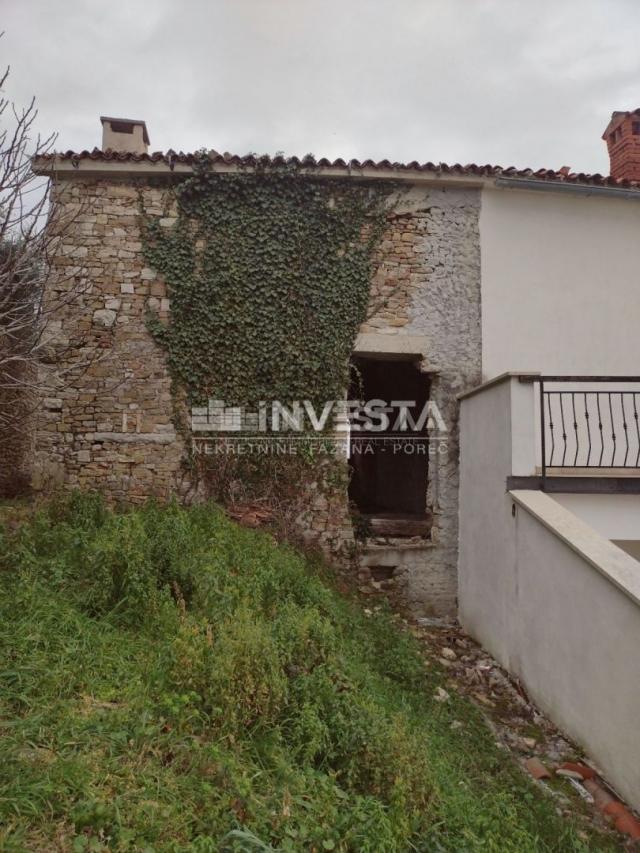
(124,134)
(623,141)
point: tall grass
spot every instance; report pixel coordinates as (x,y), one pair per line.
(172,682)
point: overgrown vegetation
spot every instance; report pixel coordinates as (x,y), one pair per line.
(172,682)
(269,272)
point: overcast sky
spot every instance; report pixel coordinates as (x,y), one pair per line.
(509,82)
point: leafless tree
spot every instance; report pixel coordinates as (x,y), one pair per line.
(30,231)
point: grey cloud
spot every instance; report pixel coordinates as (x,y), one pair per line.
(512,82)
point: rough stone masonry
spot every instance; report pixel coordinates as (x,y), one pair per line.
(111,427)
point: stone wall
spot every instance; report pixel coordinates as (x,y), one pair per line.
(429,284)
(111,428)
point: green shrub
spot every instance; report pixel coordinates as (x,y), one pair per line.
(234,668)
(127,565)
(172,682)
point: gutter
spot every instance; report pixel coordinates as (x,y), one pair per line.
(561,186)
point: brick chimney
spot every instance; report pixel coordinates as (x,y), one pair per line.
(124,134)
(623,141)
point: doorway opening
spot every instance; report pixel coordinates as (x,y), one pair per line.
(390,468)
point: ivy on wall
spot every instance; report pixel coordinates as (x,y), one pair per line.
(269,274)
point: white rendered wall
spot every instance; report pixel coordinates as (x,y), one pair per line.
(575,644)
(496,440)
(551,598)
(613,516)
(560,290)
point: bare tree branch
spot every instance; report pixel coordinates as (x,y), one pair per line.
(34,291)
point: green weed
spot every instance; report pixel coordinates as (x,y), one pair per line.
(170,681)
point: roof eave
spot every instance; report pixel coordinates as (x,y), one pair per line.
(66,169)
(61,167)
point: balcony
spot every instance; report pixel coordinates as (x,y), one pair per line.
(587,437)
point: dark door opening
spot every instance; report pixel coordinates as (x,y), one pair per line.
(389,474)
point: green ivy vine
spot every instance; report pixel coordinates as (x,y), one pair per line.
(269,273)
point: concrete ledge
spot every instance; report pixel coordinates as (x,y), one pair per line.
(497,380)
(133,437)
(395,544)
(592,473)
(580,485)
(612,562)
(403,346)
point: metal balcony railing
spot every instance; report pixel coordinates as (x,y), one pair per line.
(589,423)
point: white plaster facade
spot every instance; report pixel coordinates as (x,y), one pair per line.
(559,274)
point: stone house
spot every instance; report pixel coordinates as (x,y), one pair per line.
(482,270)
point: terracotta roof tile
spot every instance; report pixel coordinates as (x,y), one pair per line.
(171,158)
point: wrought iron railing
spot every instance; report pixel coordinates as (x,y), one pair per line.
(584,425)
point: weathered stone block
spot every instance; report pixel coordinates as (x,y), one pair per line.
(104,317)
(53,404)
